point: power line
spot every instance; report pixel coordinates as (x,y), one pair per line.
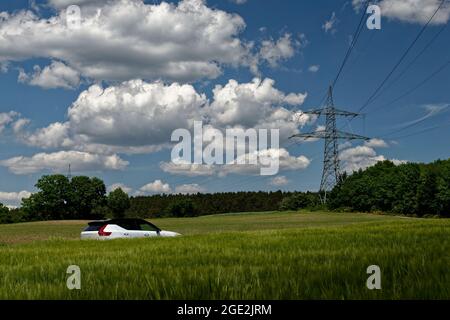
(371,98)
(355,38)
(363,51)
(404,128)
(353,43)
(413,61)
(421,131)
(420,84)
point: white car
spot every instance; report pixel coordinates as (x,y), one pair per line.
(123,228)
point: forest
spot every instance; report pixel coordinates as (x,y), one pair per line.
(412,189)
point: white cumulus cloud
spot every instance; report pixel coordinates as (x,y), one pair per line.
(127,39)
(7,118)
(412,11)
(156,187)
(247,164)
(257,104)
(56,75)
(276,51)
(189,189)
(376,143)
(59,162)
(139,117)
(122,186)
(279,181)
(362,157)
(13,199)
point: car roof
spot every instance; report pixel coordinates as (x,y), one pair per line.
(119,221)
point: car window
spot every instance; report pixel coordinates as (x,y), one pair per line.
(135,225)
(147,227)
(92,228)
(129,225)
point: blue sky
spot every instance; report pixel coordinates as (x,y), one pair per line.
(46,71)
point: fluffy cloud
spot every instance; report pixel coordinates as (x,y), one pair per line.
(54,136)
(314,68)
(128,39)
(413,11)
(376,143)
(286,163)
(189,189)
(116,186)
(60,4)
(12,120)
(188,169)
(139,117)
(256,105)
(19,125)
(56,75)
(59,161)
(7,118)
(276,51)
(12,199)
(330,25)
(134,116)
(279,181)
(134,113)
(160,187)
(156,187)
(361,157)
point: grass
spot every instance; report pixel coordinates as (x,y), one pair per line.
(240,256)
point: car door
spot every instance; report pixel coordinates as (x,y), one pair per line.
(129,229)
(147,230)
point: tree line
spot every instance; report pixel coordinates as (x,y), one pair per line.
(81,197)
(204,204)
(61,198)
(410,188)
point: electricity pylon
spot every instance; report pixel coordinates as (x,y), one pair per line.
(331,135)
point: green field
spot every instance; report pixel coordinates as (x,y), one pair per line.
(292,255)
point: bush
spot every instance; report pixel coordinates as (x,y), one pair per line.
(299,200)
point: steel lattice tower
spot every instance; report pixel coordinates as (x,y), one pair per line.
(331,168)
(330,174)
